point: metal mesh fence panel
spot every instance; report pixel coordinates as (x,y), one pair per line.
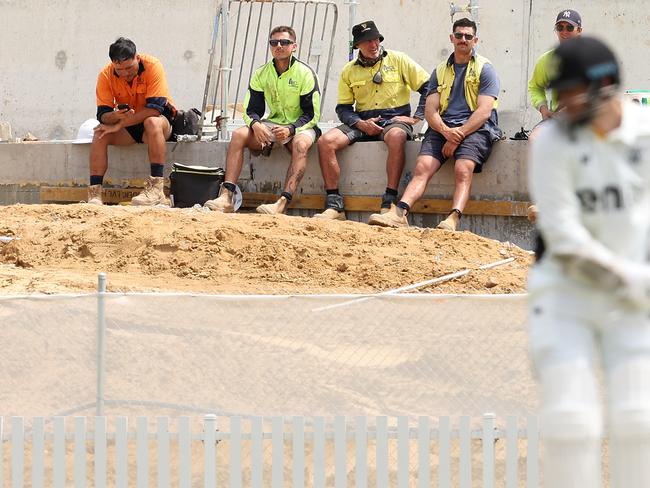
(47,355)
(169,354)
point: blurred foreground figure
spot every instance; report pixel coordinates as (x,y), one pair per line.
(589,290)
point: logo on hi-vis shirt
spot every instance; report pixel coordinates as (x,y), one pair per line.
(292,83)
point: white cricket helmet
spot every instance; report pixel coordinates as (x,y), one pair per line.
(86,132)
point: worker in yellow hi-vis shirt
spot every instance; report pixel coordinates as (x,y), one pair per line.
(568,25)
(289,88)
(373,105)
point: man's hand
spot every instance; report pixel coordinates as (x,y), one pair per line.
(405,120)
(117,117)
(280,133)
(455,135)
(531,213)
(120,115)
(369,126)
(103,129)
(449,149)
(546,113)
(262,134)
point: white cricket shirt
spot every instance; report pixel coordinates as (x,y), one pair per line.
(593,195)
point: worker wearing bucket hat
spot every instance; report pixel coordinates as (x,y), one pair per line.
(373,105)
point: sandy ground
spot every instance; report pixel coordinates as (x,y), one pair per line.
(61,248)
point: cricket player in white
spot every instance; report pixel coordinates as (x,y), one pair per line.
(589,300)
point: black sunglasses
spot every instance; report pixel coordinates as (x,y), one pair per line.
(280,42)
(561,27)
(460,35)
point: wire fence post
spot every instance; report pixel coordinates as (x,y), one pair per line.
(101,334)
(352,18)
(215,34)
(223,71)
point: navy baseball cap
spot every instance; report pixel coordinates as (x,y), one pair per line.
(570,16)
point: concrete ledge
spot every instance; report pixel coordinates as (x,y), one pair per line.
(25,167)
(362,168)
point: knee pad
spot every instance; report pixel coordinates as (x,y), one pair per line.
(571,410)
(629,399)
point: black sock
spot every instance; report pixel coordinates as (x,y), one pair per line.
(404,206)
(157,170)
(332,192)
(230,186)
(286,195)
(391,191)
(96,179)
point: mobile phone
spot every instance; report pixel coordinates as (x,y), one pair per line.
(123,106)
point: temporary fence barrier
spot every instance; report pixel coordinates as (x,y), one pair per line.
(277,452)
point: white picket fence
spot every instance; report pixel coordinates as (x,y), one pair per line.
(45,452)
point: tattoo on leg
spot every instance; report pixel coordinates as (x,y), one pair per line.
(294,176)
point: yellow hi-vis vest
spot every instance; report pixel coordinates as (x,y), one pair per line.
(445,75)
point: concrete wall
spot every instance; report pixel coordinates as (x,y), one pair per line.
(52,50)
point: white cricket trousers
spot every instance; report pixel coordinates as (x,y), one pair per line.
(573,330)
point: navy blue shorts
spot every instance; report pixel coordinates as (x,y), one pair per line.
(476,147)
(137,131)
(356,135)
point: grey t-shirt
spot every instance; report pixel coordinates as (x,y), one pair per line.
(458,110)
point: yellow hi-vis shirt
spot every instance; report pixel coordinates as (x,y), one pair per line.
(538,89)
(445,75)
(292,97)
(400,76)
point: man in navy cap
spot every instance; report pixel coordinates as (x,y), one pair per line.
(568,25)
(373,105)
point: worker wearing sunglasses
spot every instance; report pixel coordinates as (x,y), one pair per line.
(568,25)
(463,124)
(282,106)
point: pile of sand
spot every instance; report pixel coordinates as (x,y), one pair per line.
(62,248)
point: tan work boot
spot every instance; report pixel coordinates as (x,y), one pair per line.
(95,195)
(153,193)
(451,222)
(334,209)
(330,214)
(278,207)
(387,200)
(394,217)
(224,202)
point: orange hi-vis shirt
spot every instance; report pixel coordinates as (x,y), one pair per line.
(147,90)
